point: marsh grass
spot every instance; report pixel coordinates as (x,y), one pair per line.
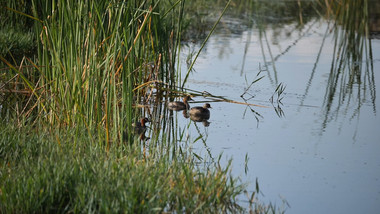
(96,62)
(15,42)
(59,173)
(16,36)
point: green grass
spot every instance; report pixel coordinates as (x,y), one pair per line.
(16,36)
(16,42)
(60,173)
(95,61)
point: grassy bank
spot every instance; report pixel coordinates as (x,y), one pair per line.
(65,172)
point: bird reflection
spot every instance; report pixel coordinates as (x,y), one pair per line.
(204,120)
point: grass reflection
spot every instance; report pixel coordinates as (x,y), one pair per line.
(351,80)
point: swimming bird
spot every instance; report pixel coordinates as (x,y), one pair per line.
(140,127)
(201,112)
(179,106)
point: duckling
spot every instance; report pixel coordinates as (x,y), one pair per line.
(140,127)
(201,112)
(179,106)
(185,113)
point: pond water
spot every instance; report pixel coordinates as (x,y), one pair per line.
(322,152)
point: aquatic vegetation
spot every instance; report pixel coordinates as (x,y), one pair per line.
(65,171)
(95,63)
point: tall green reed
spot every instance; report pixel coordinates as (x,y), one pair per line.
(98,61)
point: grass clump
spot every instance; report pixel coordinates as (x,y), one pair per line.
(17,38)
(43,173)
(17,42)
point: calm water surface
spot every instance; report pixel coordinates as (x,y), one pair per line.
(323,154)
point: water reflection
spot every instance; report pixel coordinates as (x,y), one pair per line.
(204,121)
(323,52)
(351,80)
(281,30)
(198,118)
(374,19)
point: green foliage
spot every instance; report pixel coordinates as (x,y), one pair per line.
(16,42)
(16,37)
(51,173)
(95,61)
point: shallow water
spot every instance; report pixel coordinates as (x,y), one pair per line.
(323,154)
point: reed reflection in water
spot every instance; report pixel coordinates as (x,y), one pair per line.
(325,145)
